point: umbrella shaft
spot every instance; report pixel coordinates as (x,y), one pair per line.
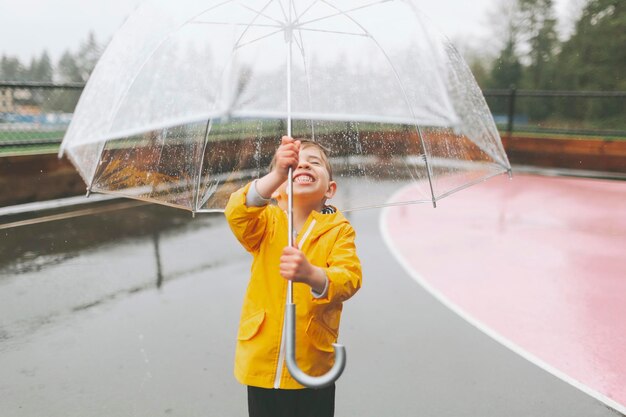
(290,179)
(289,88)
(290,230)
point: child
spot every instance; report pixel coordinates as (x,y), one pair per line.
(323,266)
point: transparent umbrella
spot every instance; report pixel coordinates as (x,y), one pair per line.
(190,99)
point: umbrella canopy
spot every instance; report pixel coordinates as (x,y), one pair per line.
(190,99)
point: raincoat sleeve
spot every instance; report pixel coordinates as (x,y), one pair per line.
(248,224)
(343,269)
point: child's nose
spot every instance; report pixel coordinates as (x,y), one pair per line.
(304,165)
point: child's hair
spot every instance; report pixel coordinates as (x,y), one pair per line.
(305,143)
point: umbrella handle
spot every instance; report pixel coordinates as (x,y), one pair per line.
(303,378)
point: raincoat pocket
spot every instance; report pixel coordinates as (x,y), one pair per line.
(249,327)
(321,336)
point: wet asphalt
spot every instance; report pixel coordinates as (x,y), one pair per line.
(133,311)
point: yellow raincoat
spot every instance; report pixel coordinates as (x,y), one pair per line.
(327,240)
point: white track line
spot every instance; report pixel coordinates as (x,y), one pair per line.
(72,214)
(54,204)
(481,326)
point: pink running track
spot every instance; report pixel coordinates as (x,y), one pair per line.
(537,262)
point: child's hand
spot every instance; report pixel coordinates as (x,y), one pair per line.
(287,155)
(295,267)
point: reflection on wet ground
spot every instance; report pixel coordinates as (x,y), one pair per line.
(28,247)
(81,258)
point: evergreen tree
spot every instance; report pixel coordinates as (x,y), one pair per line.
(87,56)
(11,69)
(77,67)
(538,30)
(537,33)
(505,73)
(41,69)
(507,70)
(594,58)
(530,44)
(29,73)
(479,69)
(68,70)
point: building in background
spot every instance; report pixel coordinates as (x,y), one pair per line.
(6,101)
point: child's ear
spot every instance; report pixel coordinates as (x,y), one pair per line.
(332,189)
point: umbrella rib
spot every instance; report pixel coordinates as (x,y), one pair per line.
(206,141)
(340,12)
(395,72)
(283,10)
(162,146)
(297,20)
(260,13)
(252,22)
(240,45)
(256,25)
(95,171)
(367,35)
(474,182)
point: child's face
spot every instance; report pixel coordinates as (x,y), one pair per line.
(311,180)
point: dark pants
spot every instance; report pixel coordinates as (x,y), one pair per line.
(263,402)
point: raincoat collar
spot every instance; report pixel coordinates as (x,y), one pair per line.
(323,223)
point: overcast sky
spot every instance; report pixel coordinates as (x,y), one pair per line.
(27,27)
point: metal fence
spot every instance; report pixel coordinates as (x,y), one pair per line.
(555,113)
(35,115)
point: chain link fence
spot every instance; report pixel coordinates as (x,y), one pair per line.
(34,116)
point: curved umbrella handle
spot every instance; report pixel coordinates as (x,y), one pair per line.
(304,379)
